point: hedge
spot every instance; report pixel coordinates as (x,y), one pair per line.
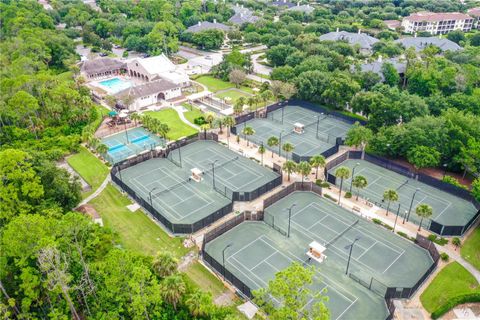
(466,298)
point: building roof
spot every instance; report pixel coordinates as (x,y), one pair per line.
(376,66)
(101,65)
(474,12)
(283,3)
(419,43)
(306,8)
(364,40)
(392,24)
(433,16)
(207,25)
(155,65)
(241,18)
(147,89)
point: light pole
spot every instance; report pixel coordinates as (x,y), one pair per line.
(318,123)
(223,258)
(280,144)
(353,175)
(290,217)
(150,195)
(396,217)
(213,172)
(283,109)
(411,204)
(444,170)
(350,246)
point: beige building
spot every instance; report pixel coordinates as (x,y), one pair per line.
(437,23)
(155,68)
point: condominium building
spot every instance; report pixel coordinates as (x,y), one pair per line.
(437,23)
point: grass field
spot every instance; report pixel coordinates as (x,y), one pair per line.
(204,279)
(232,94)
(214,84)
(191,115)
(452,281)
(89,167)
(471,248)
(177,127)
(135,229)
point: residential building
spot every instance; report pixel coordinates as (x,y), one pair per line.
(376,66)
(419,43)
(392,24)
(207,25)
(306,8)
(157,67)
(283,3)
(437,23)
(148,94)
(475,14)
(362,40)
(242,15)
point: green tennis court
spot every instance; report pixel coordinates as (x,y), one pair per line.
(309,143)
(447,208)
(130,142)
(231,170)
(258,251)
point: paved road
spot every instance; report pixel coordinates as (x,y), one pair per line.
(260,68)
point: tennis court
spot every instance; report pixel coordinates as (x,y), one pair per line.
(258,251)
(320,130)
(130,142)
(447,208)
(230,169)
(170,190)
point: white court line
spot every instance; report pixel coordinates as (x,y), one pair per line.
(392,263)
(265,259)
(350,301)
(368,249)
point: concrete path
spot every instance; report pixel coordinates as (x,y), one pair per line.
(457,257)
(180,110)
(257,78)
(97,192)
(258,67)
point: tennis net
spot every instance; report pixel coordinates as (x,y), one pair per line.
(175,186)
(406,181)
(315,122)
(221,165)
(175,162)
(341,234)
(269,219)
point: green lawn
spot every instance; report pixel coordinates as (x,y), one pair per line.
(177,127)
(204,279)
(135,229)
(471,248)
(452,281)
(192,112)
(89,167)
(214,84)
(232,94)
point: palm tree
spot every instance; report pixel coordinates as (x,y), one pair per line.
(457,243)
(87,136)
(266,96)
(304,168)
(316,162)
(135,117)
(238,106)
(423,211)
(102,148)
(287,147)
(359,182)
(164,264)
(209,117)
(163,130)
(248,131)
(289,167)
(342,173)
(199,303)
(251,101)
(173,288)
(272,142)
(390,195)
(229,122)
(261,150)
(218,123)
(93,142)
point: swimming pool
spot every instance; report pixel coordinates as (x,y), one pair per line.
(115,85)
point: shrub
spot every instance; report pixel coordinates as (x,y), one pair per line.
(452,180)
(465,298)
(403,234)
(199,121)
(377,221)
(348,195)
(439,241)
(444,256)
(330,197)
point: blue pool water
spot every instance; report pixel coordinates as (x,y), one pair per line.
(115,84)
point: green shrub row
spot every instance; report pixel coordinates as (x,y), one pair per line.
(379,222)
(466,298)
(439,241)
(403,234)
(330,197)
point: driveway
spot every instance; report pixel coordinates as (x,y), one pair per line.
(199,61)
(260,68)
